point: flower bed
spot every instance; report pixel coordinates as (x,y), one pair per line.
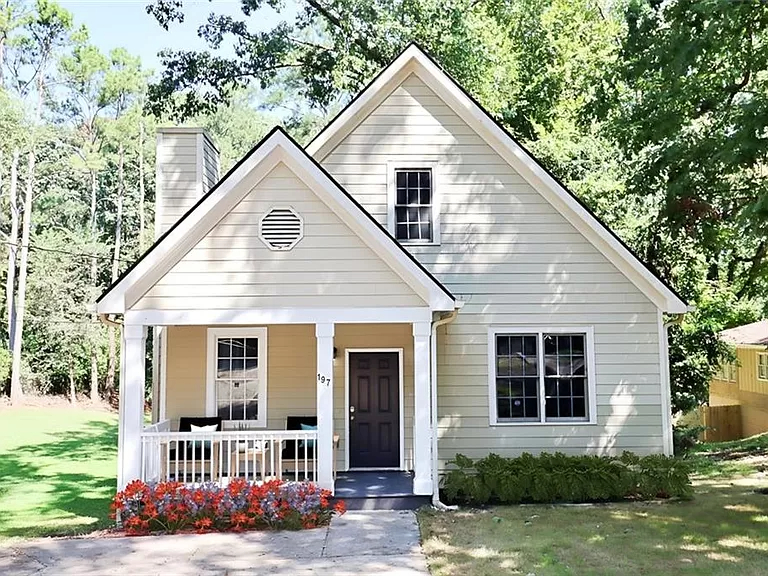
(171,507)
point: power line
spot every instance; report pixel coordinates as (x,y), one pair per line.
(59,251)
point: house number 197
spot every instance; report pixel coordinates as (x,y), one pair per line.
(322,379)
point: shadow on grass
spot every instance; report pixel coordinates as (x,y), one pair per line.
(60,487)
(724,530)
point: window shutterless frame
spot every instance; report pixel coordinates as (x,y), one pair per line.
(431,164)
(539,332)
(762,366)
(214,334)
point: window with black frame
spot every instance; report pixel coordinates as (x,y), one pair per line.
(414,209)
(532,367)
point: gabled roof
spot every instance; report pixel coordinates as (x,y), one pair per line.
(414,60)
(755,334)
(275,147)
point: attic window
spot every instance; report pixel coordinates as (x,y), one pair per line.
(281,228)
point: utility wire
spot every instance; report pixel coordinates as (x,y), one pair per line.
(59,251)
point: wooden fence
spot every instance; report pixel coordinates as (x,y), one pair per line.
(723,422)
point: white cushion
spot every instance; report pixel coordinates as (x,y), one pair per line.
(209,428)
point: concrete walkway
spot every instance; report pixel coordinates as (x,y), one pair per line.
(356,543)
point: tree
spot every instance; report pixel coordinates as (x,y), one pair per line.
(46,32)
(83,74)
(686,103)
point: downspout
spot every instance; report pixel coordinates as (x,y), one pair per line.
(664,327)
(433,390)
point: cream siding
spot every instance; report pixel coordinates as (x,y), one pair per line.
(187,167)
(291,378)
(291,354)
(232,268)
(177,186)
(514,260)
(210,164)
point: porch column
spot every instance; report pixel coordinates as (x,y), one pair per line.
(422,452)
(132,354)
(324,334)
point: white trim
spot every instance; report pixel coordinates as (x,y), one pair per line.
(539,331)
(230,191)
(210,381)
(401,409)
(666,391)
(248,316)
(131,405)
(324,339)
(414,61)
(162,333)
(293,243)
(412,164)
(759,356)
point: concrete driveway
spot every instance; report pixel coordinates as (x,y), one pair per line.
(356,543)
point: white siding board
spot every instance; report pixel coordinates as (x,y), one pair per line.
(514,260)
(231,268)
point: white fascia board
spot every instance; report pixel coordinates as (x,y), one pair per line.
(413,60)
(262,316)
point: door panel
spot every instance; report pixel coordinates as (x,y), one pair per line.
(374,416)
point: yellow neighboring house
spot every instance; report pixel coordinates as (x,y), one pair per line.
(745,382)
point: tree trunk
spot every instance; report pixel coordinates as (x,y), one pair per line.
(16,392)
(13,247)
(72,393)
(93,275)
(141,186)
(112,346)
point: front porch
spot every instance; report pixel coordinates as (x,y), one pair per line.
(301,373)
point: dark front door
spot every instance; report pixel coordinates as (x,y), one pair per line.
(374,410)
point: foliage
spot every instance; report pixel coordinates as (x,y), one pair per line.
(685,437)
(173,506)
(561,478)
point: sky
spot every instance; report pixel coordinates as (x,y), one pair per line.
(125,23)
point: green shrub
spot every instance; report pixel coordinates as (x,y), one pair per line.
(685,437)
(561,478)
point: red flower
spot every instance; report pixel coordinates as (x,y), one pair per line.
(340,507)
(203,524)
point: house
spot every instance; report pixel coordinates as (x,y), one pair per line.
(742,385)
(411,285)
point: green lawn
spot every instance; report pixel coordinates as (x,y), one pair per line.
(57,470)
(723,530)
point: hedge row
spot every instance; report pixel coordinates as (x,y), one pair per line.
(561,478)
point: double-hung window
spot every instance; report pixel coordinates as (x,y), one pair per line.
(413,207)
(762,366)
(236,388)
(541,376)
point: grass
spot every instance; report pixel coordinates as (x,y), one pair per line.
(723,530)
(57,470)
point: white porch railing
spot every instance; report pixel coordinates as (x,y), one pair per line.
(256,456)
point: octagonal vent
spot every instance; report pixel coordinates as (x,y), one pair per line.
(281,228)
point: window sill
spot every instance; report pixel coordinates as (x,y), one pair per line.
(550,423)
(410,243)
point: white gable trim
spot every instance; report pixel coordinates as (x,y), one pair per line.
(276,148)
(415,61)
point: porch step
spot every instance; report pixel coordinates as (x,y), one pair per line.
(386,490)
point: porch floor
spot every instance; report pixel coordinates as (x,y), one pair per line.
(384,490)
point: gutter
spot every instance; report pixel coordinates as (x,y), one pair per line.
(433,390)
